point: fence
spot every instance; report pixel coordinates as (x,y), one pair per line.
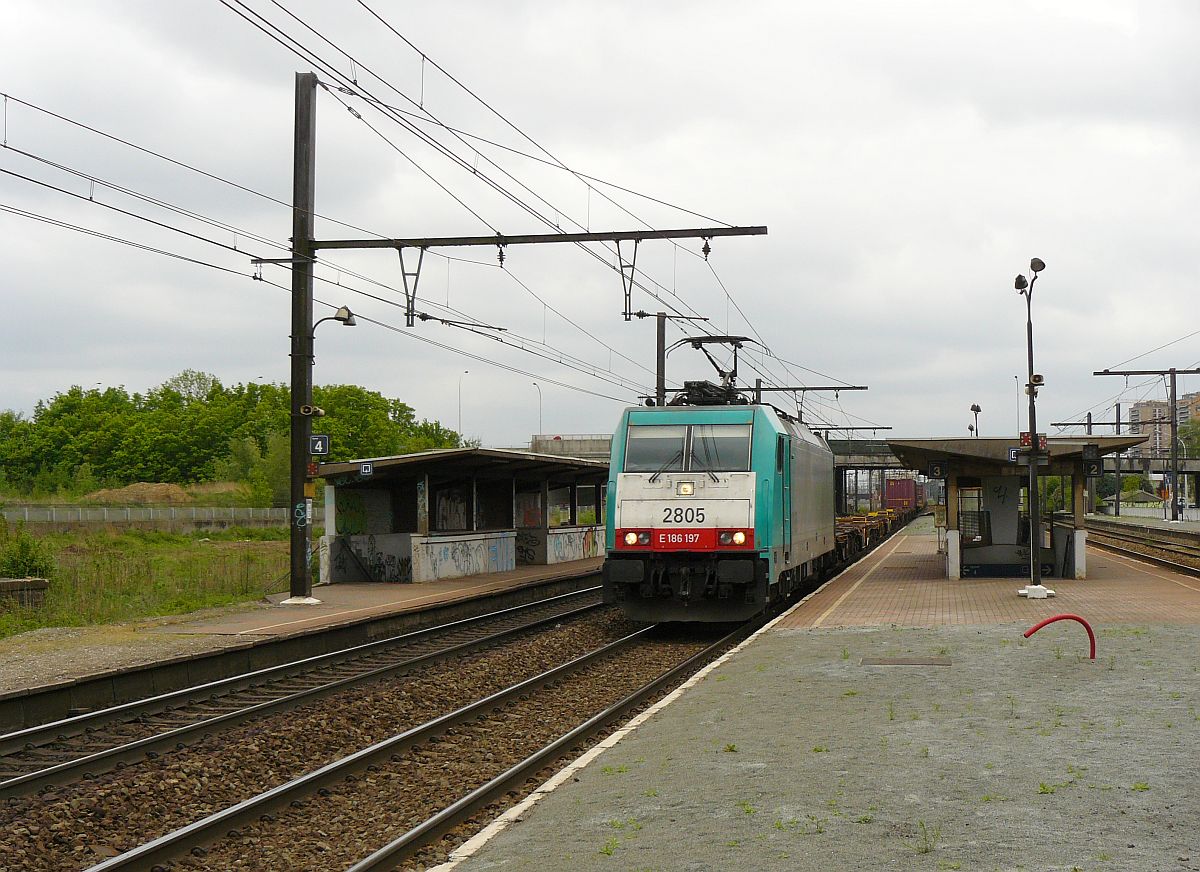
(122,514)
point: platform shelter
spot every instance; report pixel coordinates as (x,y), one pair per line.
(986,525)
(455,512)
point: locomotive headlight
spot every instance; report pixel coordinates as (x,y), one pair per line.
(685,488)
(739,538)
(643,538)
(631,538)
(725,537)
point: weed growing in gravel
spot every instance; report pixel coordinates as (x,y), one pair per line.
(1057,648)
(850,693)
(987,797)
(789,824)
(891,711)
(1140,786)
(746,807)
(927,838)
(614,770)
(650,791)
(610,846)
(925,751)
(865,819)
(1173,694)
(817,824)
(948,864)
(731,748)
(845,653)
(819,749)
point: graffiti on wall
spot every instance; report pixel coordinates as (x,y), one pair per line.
(351,513)
(579,543)
(452,510)
(360,511)
(527,546)
(529,509)
(433,559)
(373,558)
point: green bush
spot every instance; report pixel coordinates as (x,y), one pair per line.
(22,555)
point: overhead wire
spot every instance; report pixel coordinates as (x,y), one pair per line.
(238,231)
(175,255)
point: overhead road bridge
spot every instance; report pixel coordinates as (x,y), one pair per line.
(986,523)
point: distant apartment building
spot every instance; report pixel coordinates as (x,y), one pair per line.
(1151,418)
(1187,408)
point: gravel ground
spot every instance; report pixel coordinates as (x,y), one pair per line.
(365,813)
(77,826)
(792,755)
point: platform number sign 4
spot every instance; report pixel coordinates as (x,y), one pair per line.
(318,444)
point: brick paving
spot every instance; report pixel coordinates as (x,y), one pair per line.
(902,583)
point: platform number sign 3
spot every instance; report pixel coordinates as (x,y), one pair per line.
(318,444)
(937,469)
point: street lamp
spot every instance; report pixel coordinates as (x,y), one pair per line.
(464,372)
(975,408)
(1025,287)
(539,390)
(303,411)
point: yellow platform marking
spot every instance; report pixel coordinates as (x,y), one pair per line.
(854,586)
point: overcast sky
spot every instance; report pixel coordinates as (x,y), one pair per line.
(907,158)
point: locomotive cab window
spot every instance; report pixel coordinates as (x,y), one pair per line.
(655,447)
(679,447)
(720,447)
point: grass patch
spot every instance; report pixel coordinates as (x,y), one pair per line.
(104,577)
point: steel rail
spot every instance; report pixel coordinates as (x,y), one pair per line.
(137,750)
(202,832)
(1181,568)
(395,852)
(77,724)
(1192,551)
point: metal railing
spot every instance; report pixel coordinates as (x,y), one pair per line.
(43,514)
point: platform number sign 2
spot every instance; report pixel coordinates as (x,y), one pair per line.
(318,444)
(1093,468)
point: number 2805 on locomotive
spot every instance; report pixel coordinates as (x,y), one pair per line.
(715,513)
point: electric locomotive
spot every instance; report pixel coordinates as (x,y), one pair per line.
(717,508)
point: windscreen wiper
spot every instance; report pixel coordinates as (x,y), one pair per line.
(678,455)
(707,459)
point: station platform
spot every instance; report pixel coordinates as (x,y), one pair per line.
(354,602)
(900,720)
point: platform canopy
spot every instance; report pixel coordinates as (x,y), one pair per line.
(466,462)
(988,457)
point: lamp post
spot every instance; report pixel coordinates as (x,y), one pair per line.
(539,390)
(975,408)
(300,588)
(464,372)
(1025,287)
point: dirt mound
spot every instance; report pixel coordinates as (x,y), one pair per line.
(142,493)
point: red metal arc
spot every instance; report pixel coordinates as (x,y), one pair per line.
(1086,626)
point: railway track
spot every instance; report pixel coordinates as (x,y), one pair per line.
(74,748)
(1172,549)
(392,800)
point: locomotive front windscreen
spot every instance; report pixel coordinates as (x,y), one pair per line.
(720,447)
(704,447)
(655,447)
